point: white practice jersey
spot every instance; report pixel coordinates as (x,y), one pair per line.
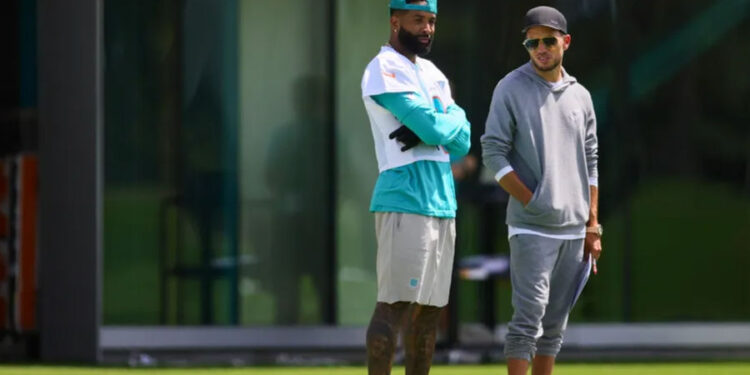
(392,72)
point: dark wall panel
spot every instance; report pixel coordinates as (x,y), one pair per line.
(70,173)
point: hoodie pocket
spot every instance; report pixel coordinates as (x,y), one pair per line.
(540,207)
(532,205)
(549,209)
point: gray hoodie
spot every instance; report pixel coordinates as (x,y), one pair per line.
(548,136)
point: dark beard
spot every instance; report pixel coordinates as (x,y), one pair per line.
(412,44)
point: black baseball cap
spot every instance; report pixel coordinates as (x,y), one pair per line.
(545,16)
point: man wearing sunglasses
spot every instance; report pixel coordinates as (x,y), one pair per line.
(540,141)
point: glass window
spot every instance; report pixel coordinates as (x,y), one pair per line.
(217,170)
(142,119)
(221,163)
(285,160)
(673,139)
(366,29)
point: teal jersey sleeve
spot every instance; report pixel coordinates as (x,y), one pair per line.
(461,143)
(450,129)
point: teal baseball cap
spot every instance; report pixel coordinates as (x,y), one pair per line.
(431,5)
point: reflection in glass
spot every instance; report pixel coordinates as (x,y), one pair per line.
(217,187)
(285,161)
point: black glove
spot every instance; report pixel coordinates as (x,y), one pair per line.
(405,136)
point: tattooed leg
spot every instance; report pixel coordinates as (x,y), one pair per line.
(419,338)
(382,336)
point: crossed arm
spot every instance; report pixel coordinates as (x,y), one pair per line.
(422,122)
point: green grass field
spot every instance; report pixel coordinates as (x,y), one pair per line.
(712,368)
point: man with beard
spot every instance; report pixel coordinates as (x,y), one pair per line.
(540,141)
(416,127)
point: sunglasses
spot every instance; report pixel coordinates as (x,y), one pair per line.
(534,43)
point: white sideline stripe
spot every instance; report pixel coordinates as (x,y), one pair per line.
(656,335)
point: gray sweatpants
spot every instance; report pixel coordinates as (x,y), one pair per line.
(544,273)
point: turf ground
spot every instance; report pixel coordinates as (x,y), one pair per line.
(562,369)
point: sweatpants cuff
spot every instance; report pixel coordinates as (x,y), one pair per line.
(519,355)
(552,352)
(520,347)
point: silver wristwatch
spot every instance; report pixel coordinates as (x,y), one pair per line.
(598,230)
